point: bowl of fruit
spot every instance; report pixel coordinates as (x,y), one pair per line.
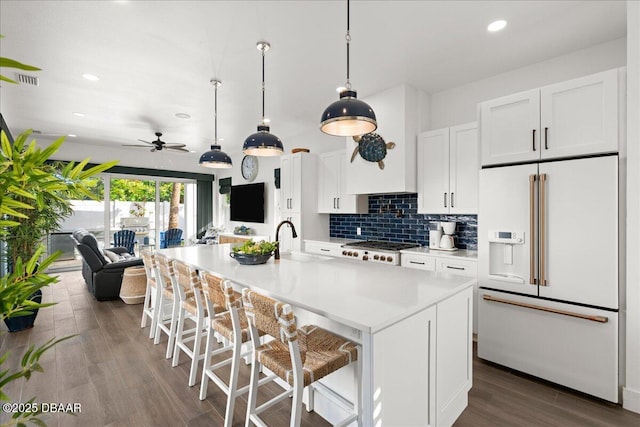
(253,253)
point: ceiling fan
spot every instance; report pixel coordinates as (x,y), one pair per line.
(159,145)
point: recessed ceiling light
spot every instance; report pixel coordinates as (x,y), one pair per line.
(79,114)
(496,25)
(182,115)
(91,77)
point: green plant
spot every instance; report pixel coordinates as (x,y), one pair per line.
(34,197)
(256,248)
(11,63)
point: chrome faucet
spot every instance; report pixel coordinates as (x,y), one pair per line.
(276,254)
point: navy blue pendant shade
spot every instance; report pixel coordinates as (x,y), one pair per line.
(348,116)
(262,143)
(215,158)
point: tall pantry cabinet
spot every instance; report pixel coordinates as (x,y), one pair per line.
(299,201)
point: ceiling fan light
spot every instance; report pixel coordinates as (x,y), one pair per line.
(215,158)
(348,116)
(263,143)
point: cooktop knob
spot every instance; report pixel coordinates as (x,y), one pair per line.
(355,254)
(344,252)
(349,253)
(376,257)
(389,258)
(365,258)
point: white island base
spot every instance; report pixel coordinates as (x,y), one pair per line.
(414,328)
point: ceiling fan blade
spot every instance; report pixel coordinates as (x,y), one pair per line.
(135,145)
(173,145)
(146,142)
(177,148)
(153,149)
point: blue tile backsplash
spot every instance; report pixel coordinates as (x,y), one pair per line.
(394,218)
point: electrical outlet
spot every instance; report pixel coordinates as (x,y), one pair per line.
(358,231)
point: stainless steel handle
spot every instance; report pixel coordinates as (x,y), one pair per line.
(338,202)
(452,204)
(455,268)
(445,200)
(325,250)
(416,262)
(543,229)
(546,138)
(334,203)
(532,218)
(599,319)
(533,139)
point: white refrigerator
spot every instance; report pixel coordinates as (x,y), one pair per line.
(548,271)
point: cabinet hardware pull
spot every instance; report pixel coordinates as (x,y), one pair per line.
(532,217)
(338,202)
(334,203)
(455,268)
(600,319)
(452,200)
(546,138)
(325,250)
(445,200)
(416,262)
(533,139)
(543,229)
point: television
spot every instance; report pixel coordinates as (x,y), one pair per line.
(247,202)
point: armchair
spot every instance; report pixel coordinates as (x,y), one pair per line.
(102,270)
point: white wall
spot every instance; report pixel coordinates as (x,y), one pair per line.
(631,391)
(459,105)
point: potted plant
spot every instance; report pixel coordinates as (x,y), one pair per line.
(252,253)
(42,194)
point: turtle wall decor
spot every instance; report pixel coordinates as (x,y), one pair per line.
(372,148)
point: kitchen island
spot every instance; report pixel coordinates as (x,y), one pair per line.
(414,328)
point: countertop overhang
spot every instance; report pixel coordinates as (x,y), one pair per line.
(368,297)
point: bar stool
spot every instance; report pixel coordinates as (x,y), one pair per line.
(191,306)
(148,308)
(300,357)
(232,326)
(166,277)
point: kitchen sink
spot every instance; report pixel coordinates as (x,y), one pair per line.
(303,257)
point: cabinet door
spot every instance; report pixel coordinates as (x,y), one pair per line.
(433,172)
(285,184)
(296,183)
(329,181)
(463,169)
(509,128)
(580,116)
(287,242)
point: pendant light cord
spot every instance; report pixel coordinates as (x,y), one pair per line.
(263,50)
(215,116)
(348,38)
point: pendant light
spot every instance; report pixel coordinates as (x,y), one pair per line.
(348,116)
(263,143)
(215,158)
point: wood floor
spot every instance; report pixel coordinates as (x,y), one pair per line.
(121,379)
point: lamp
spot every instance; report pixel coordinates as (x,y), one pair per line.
(215,158)
(348,116)
(263,143)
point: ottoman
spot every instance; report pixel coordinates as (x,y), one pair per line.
(134,285)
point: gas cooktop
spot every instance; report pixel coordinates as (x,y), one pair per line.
(378,245)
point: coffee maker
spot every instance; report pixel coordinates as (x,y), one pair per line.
(435,234)
(447,240)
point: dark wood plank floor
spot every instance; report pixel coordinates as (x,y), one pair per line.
(121,379)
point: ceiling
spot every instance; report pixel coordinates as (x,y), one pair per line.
(156,58)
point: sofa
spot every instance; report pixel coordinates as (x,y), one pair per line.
(102,269)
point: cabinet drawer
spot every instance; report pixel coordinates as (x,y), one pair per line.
(459,268)
(420,262)
(323,248)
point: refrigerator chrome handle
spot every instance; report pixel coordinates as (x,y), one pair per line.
(532,218)
(599,319)
(543,229)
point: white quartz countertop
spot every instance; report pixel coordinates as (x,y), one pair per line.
(459,254)
(366,296)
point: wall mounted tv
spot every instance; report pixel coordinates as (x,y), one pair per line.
(247,202)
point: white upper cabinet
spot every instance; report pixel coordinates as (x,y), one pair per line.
(448,170)
(567,119)
(332,186)
(290,173)
(398,114)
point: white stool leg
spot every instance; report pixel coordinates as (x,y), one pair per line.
(233,383)
(154,295)
(204,382)
(196,352)
(177,337)
(296,410)
(253,390)
(159,316)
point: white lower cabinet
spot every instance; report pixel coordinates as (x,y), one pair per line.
(435,349)
(440,263)
(323,248)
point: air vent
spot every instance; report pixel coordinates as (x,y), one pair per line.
(27,80)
